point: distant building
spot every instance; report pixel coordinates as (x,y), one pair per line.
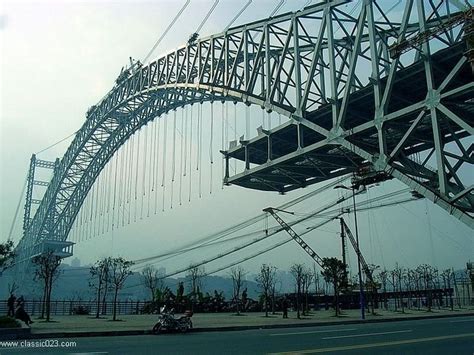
(75,262)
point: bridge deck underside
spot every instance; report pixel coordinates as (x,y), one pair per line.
(286,166)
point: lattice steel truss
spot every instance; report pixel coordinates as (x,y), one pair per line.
(311,66)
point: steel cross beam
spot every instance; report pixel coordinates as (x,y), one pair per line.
(309,66)
(412,112)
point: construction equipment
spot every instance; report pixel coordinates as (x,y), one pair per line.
(294,235)
(405,45)
(365,266)
(312,253)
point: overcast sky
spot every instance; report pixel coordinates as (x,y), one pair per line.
(59,58)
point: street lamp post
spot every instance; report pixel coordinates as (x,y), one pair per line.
(361,286)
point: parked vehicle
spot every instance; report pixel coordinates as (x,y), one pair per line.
(168,322)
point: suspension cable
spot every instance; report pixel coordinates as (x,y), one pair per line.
(207,16)
(166,31)
(238,15)
(17,210)
(275,10)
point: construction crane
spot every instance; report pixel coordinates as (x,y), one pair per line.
(344,230)
(463,17)
(365,266)
(294,235)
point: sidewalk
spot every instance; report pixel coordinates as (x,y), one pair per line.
(62,326)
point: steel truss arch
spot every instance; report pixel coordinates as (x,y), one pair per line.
(296,64)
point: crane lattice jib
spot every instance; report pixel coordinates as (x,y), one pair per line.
(365,266)
(277,64)
(295,236)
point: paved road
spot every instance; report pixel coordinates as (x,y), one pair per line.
(430,336)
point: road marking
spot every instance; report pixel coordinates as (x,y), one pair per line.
(313,332)
(461,320)
(369,334)
(375,345)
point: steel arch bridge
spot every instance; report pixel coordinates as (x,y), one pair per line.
(359,84)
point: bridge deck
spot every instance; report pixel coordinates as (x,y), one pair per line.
(276,164)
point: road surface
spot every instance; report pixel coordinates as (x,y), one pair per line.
(430,336)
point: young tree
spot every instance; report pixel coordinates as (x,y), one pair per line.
(383,279)
(307,280)
(194,276)
(119,271)
(47,270)
(237,274)
(265,280)
(6,255)
(298,271)
(334,271)
(99,279)
(153,280)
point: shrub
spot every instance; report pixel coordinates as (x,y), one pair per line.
(8,322)
(80,310)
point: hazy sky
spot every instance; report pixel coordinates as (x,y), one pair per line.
(59,58)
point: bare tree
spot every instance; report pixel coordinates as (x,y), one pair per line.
(237,274)
(426,273)
(47,270)
(195,275)
(153,280)
(383,279)
(99,279)
(334,270)
(119,271)
(307,280)
(298,270)
(447,278)
(316,280)
(265,280)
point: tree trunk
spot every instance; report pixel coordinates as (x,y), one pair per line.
(43,303)
(115,305)
(266,305)
(104,300)
(99,289)
(48,301)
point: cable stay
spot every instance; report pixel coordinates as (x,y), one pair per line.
(145,158)
(55,144)
(157,158)
(200,149)
(115,192)
(17,210)
(185,137)
(223,120)
(194,36)
(181,157)
(165,131)
(190,150)
(237,15)
(235,132)
(277,8)
(151,171)
(130,178)
(232,229)
(166,31)
(211,150)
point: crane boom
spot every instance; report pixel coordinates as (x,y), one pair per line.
(365,266)
(295,236)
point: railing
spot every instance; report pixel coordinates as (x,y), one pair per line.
(67,307)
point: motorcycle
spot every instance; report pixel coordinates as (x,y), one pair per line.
(168,322)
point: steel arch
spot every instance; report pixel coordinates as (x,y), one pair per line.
(293,64)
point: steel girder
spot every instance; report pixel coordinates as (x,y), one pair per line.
(295,64)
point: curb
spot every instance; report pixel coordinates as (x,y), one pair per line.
(236,328)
